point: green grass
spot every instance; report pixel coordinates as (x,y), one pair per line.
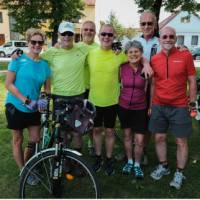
(117,186)
(3,65)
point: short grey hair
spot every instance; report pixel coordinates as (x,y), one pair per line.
(133,44)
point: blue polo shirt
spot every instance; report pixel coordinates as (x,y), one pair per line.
(30,76)
(150,47)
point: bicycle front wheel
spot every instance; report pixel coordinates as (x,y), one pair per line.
(76,180)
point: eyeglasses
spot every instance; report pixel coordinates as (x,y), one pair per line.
(146,23)
(164,37)
(39,42)
(88,29)
(108,34)
(68,33)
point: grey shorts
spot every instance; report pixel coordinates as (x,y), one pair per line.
(177,120)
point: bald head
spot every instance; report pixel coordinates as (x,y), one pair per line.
(167,38)
(148,13)
(167,29)
(148,24)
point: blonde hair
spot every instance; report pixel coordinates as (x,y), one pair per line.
(88,22)
(33,31)
(108,25)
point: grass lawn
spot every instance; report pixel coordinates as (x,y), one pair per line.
(117,186)
(3,65)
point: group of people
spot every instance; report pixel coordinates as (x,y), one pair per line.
(146,105)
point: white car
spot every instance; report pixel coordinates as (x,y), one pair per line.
(7,49)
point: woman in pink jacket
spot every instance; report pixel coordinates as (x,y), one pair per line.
(133,107)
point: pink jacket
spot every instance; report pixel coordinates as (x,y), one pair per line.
(132,93)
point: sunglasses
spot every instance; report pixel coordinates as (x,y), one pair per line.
(108,34)
(39,42)
(164,37)
(67,33)
(88,29)
(146,23)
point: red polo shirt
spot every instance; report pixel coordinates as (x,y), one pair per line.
(171,74)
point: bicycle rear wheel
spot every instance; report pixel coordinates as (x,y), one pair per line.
(69,185)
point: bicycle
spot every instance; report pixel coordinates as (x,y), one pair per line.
(55,167)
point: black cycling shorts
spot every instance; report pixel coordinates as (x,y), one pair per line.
(105,116)
(134,119)
(18,120)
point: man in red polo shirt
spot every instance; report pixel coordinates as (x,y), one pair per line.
(172,71)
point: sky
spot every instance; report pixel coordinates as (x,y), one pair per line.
(125,11)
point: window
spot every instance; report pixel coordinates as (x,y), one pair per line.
(1,17)
(180,40)
(8,44)
(185,19)
(2,39)
(194,40)
(20,44)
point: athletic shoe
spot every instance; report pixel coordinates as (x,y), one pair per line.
(177,180)
(159,172)
(128,168)
(109,167)
(138,172)
(98,164)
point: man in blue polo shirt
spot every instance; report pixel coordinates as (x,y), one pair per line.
(151,46)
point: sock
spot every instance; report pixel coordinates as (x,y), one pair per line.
(164,164)
(179,170)
(136,164)
(98,156)
(130,161)
(108,159)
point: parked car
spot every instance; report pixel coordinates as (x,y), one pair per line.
(196,53)
(7,49)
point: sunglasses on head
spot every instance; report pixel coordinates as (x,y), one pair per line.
(146,23)
(108,34)
(168,36)
(39,42)
(67,33)
(88,29)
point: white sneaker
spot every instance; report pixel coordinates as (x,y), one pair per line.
(177,180)
(159,172)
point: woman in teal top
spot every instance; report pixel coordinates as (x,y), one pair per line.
(25,77)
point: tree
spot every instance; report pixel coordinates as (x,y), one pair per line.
(155,5)
(120,30)
(130,32)
(37,13)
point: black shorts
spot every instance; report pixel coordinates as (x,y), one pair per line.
(86,94)
(105,116)
(134,119)
(18,120)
